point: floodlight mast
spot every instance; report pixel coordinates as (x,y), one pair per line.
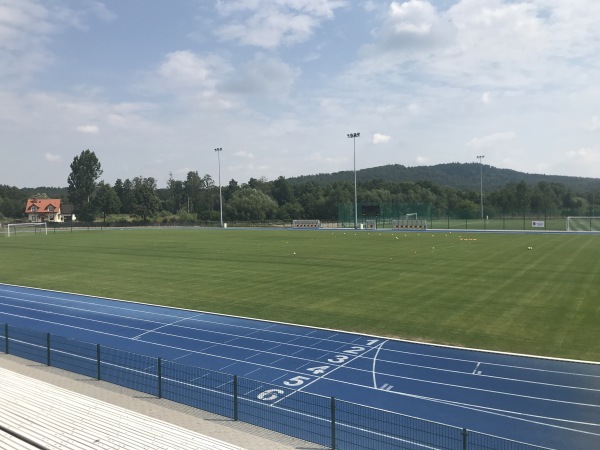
(480,157)
(353,136)
(219,150)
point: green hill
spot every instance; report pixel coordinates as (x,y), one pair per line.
(462,176)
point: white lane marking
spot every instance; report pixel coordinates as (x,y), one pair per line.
(157,328)
(284,356)
(477,367)
(196,319)
(325,375)
(374,363)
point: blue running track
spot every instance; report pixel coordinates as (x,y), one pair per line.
(545,402)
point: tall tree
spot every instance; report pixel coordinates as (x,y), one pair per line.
(85,170)
(146,202)
(193,186)
(251,204)
(230,189)
(281,191)
(107,200)
(175,198)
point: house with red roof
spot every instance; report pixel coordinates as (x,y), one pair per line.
(48,210)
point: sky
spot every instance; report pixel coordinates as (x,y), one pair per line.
(153,87)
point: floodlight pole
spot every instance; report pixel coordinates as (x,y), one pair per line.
(480,157)
(353,136)
(219,150)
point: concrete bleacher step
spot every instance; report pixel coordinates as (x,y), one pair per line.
(57,418)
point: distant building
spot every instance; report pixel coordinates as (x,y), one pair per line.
(48,210)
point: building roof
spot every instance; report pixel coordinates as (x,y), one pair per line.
(43,204)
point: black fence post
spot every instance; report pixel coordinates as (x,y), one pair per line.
(6,338)
(159,377)
(48,348)
(98,360)
(464,436)
(235,398)
(333,423)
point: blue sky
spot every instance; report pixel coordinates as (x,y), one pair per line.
(153,87)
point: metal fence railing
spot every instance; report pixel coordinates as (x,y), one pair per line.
(326,421)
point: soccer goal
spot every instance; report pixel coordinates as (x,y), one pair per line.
(583,223)
(30,227)
(411,216)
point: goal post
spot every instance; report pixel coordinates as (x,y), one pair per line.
(583,223)
(411,216)
(30,227)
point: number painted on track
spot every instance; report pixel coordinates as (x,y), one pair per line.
(337,359)
(355,350)
(318,370)
(299,380)
(270,394)
(296,381)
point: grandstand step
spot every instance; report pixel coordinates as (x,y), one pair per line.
(57,418)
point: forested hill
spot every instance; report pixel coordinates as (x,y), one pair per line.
(462,176)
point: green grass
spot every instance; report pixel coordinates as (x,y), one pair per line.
(476,290)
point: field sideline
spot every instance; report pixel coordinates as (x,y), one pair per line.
(478,290)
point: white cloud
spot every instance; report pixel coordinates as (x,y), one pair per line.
(263,75)
(319,157)
(27,28)
(584,155)
(244,154)
(186,69)
(52,158)
(593,124)
(491,140)
(269,24)
(24,29)
(412,25)
(88,129)
(380,138)
(194,79)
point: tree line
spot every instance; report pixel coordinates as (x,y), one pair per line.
(196,198)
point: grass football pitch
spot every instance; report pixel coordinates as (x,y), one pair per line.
(526,293)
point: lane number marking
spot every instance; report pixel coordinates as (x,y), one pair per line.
(271,395)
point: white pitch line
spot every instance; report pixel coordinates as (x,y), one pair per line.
(476,367)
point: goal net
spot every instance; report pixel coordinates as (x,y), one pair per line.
(32,227)
(581,223)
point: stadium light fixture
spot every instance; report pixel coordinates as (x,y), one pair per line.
(219,150)
(480,157)
(353,136)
